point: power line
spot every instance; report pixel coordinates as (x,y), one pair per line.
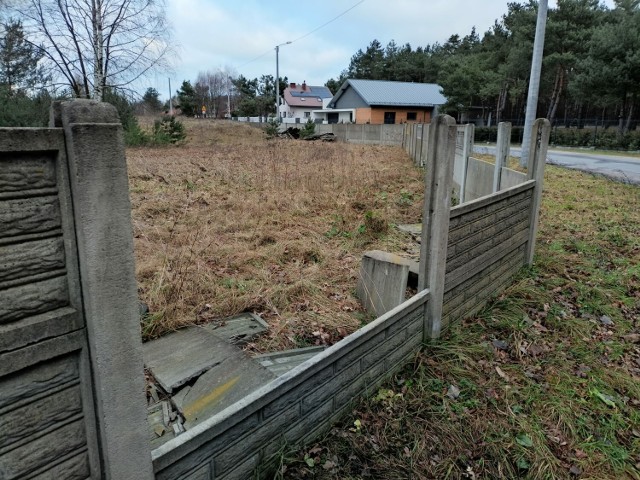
(256,58)
(306,34)
(330,21)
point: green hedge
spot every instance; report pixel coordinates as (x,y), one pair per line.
(571,137)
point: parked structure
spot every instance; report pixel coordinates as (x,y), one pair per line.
(381,102)
(301,100)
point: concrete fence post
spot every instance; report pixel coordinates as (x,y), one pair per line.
(425,145)
(102,216)
(435,219)
(418,155)
(404,135)
(502,153)
(416,139)
(467,149)
(537,161)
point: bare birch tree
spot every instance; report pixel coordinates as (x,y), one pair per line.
(98,44)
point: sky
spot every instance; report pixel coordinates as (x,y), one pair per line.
(241,35)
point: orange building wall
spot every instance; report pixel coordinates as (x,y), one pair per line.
(375,116)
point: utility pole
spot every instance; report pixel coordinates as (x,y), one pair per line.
(228,98)
(534,81)
(170,102)
(278,81)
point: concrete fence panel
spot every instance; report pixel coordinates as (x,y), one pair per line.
(486,247)
(297,407)
(71,386)
(46,404)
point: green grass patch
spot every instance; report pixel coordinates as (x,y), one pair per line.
(546,376)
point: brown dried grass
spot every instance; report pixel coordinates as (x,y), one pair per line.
(232,222)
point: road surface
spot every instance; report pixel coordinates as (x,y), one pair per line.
(618,167)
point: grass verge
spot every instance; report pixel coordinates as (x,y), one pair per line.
(543,383)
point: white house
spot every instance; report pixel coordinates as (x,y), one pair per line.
(300,101)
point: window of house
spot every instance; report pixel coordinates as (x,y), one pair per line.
(307,114)
(389,118)
(412,115)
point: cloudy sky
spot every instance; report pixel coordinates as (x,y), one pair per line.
(242,34)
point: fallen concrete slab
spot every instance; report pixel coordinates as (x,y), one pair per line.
(225,383)
(280,363)
(179,357)
(239,329)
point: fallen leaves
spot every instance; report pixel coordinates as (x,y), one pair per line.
(501,373)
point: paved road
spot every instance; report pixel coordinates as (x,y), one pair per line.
(617,167)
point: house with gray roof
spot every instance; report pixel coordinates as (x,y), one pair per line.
(300,100)
(380,101)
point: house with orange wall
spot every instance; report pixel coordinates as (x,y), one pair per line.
(379,102)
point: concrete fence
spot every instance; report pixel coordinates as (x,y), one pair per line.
(472,177)
(71,378)
(71,386)
(364,133)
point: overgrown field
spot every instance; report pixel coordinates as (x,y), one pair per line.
(543,383)
(232,222)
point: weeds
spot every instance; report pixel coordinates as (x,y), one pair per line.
(230,222)
(547,373)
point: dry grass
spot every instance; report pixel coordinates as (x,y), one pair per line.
(548,373)
(232,222)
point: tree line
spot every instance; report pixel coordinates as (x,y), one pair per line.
(100,48)
(591,67)
(82,48)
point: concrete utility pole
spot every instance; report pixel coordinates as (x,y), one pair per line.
(278,81)
(534,81)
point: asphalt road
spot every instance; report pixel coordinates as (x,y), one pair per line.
(617,167)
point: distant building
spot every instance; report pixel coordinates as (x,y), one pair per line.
(301,100)
(378,102)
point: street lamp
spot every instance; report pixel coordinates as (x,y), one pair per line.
(278,81)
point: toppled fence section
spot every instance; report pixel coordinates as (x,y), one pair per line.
(298,406)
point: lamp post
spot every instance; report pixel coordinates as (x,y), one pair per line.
(534,81)
(278,81)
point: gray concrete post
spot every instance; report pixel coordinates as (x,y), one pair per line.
(420,135)
(425,145)
(502,153)
(404,136)
(102,214)
(467,148)
(435,219)
(383,281)
(537,161)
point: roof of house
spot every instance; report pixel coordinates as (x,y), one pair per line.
(381,92)
(306,95)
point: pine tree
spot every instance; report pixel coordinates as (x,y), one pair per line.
(19,59)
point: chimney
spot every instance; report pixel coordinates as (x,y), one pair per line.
(292,85)
(304,85)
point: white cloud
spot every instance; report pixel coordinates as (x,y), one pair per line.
(216,33)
